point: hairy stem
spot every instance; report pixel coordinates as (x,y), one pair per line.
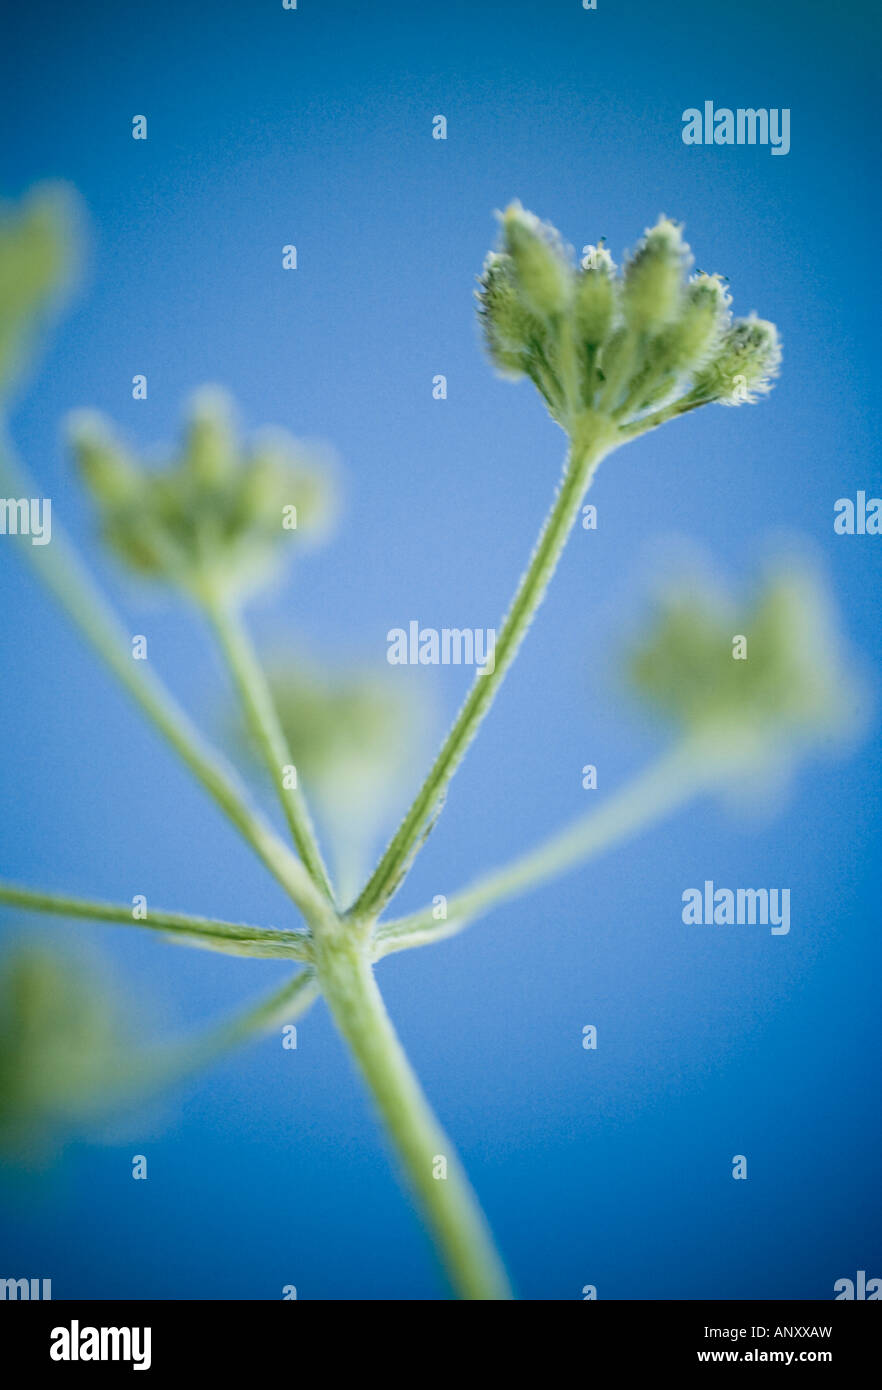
(663,786)
(660,417)
(586,450)
(228,937)
(263,721)
(448,1203)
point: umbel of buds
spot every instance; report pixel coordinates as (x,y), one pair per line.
(753,682)
(220,517)
(635,347)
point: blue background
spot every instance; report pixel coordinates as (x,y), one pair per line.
(313,127)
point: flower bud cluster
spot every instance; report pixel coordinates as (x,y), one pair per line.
(221,516)
(623,345)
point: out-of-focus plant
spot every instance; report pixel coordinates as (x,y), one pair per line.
(37,250)
(61,1048)
(69,1059)
(214,526)
(739,725)
(750,717)
(353,736)
(613,355)
(221,518)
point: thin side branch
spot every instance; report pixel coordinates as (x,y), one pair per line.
(257,703)
(666,784)
(229,937)
(172,1062)
(660,417)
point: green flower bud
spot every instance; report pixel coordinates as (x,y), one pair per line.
(518,342)
(616,367)
(748,359)
(127,513)
(36,239)
(103,462)
(210,445)
(594,300)
(682,347)
(702,321)
(500,316)
(542,275)
(651,294)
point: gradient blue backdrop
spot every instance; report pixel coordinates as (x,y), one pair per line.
(269,126)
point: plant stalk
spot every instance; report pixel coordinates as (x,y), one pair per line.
(591,440)
(449,1206)
(228,937)
(659,789)
(169,1063)
(263,721)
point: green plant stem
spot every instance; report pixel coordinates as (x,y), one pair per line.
(284,1005)
(172,1062)
(663,786)
(231,938)
(62,571)
(346,978)
(263,721)
(448,1203)
(660,417)
(586,451)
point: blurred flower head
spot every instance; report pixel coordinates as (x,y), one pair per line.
(354,736)
(620,345)
(754,684)
(37,240)
(222,515)
(62,1050)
